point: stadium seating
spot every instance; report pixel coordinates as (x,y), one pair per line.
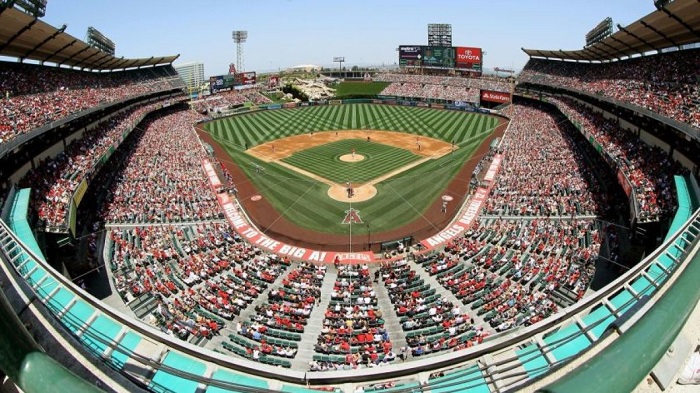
(57,179)
(648,168)
(666,83)
(544,172)
(353,326)
(33,95)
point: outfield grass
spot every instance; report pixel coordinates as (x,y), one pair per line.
(351,88)
(325,161)
(399,200)
(252,129)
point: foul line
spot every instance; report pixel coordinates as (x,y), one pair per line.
(279,216)
(412,207)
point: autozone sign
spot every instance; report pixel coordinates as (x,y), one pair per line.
(467,55)
(495,96)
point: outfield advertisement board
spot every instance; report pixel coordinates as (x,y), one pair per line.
(468,58)
(495,96)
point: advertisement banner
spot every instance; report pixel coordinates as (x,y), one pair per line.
(221,82)
(493,169)
(80,192)
(410,56)
(216,83)
(626,186)
(495,96)
(468,58)
(211,175)
(460,225)
(257,238)
(438,57)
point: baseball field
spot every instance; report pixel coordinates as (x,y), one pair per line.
(397,160)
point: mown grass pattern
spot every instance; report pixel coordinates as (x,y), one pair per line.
(399,200)
(325,160)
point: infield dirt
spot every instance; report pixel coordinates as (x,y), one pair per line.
(285,147)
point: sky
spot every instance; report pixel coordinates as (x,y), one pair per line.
(285,33)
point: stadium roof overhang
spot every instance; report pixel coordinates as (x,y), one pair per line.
(676,24)
(25,37)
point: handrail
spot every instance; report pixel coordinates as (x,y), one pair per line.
(508,340)
(24,362)
(391,371)
(643,345)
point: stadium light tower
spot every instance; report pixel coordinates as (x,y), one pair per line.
(339,60)
(239,37)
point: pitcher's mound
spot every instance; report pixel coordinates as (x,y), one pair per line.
(352,158)
(362,193)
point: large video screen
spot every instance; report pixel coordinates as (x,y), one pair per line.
(409,56)
(459,57)
(467,58)
(245,78)
(221,82)
(438,57)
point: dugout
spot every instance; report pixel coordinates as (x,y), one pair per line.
(393,245)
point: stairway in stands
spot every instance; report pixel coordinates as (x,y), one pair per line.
(315,322)
(246,313)
(391,320)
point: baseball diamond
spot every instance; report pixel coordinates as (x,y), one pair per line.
(412,157)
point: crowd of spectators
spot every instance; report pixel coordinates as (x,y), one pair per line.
(665,83)
(353,325)
(431,322)
(485,82)
(201,275)
(33,95)
(544,171)
(55,180)
(162,181)
(509,270)
(434,92)
(288,306)
(648,168)
(229,99)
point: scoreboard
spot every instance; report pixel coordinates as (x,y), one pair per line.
(228,82)
(435,57)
